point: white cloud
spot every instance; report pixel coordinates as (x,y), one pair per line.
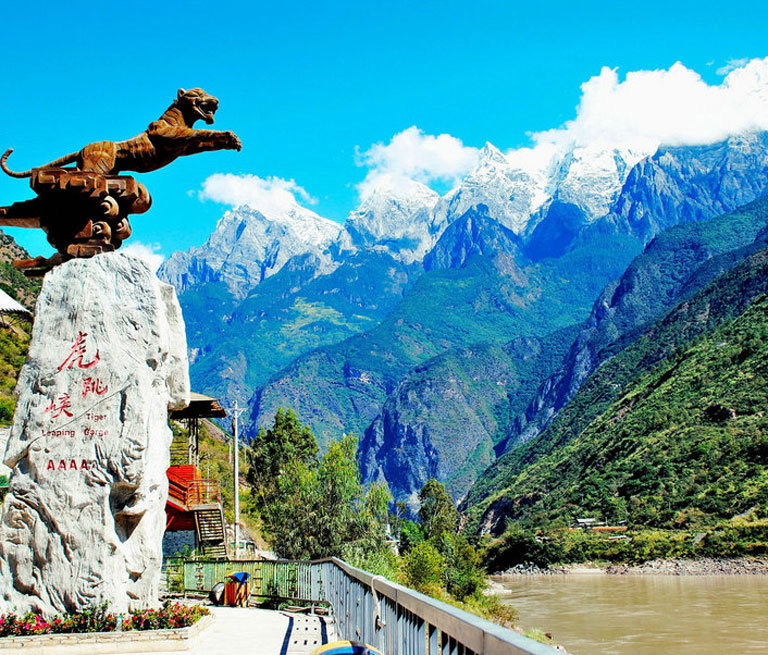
(413,155)
(646,109)
(149,253)
(731,65)
(670,107)
(271,194)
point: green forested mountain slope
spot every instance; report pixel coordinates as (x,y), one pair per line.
(290,313)
(676,264)
(13,282)
(488,296)
(717,303)
(441,418)
(686,443)
(447,417)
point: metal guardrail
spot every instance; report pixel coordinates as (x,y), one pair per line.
(370,608)
(400,621)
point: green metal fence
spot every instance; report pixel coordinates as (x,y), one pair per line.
(290,580)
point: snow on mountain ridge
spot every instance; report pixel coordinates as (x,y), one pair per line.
(394,216)
(404,217)
(512,191)
(249,245)
(591,176)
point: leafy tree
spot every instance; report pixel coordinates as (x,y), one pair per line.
(411,534)
(276,448)
(423,569)
(319,508)
(519,546)
(463,574)
(437,513)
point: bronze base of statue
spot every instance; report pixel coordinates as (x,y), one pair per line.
(82,213)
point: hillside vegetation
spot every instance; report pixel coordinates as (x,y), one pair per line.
(287,315)
(675,265)
(431,387)
(15,334)
(469,393)
(683,446)
(721,301)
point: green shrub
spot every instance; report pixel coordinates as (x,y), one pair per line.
(7,407)
(422,569)
(410,534)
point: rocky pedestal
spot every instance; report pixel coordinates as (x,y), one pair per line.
(84,517)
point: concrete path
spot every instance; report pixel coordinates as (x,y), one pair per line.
(251,631)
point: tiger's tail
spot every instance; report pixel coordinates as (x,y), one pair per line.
(66,159)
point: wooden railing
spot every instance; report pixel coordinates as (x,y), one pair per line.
(177,491)
(203,492)
(370,608)
(194,492)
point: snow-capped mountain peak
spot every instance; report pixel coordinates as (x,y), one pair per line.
(248,245)
(591,176)
(401,195)
(511,189)
(490,153)
(393,216)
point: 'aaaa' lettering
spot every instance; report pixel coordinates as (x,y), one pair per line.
(67,465)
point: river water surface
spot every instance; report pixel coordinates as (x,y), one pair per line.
(598,614)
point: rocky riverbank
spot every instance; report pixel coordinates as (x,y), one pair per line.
(533,569)
(705,566)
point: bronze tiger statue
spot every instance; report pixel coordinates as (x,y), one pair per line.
(167,138)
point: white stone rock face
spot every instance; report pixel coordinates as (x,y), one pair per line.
(84,517)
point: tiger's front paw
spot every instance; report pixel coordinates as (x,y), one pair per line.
(233,143)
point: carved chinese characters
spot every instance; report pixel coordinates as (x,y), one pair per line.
(85,513)
(88,394)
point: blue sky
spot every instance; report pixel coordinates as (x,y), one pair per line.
(306,86)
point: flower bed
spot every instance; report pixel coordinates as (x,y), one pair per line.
(99,619)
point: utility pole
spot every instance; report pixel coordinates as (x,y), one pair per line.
(236,447)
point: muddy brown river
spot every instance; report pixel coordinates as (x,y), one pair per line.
(597,614)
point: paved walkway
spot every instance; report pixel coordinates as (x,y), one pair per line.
(246,631)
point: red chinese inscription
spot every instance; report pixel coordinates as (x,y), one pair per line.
(77,353)
(60,406)
(94,385)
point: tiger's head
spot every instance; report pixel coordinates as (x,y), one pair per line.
(196,104)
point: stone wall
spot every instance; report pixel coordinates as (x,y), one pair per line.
(177,542)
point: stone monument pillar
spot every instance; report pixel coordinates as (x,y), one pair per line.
(84,517)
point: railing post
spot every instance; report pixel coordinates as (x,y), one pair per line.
(433,635)
(421,638)
(392,634)
(402,630)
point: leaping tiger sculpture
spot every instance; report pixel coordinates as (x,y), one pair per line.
(84,210)
(167,138)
